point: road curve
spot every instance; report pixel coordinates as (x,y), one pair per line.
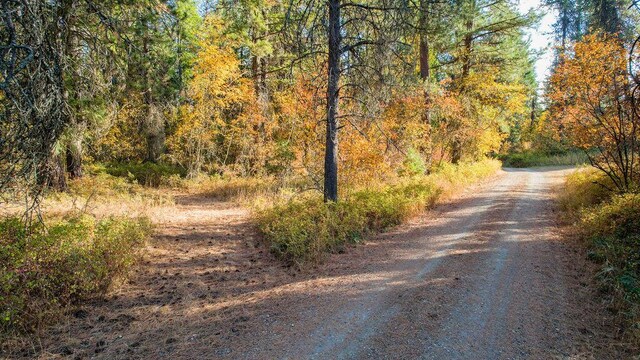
(486,277)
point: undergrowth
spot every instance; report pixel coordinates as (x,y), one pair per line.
(106,188)
(148,183)
(537,158)
(229,188)
(584,188)
(303,230)
(610,224)
(147,174)
(45,269)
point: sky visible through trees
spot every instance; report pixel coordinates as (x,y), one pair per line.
(541,38)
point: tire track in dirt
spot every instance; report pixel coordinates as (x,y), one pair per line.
(487,277)
(376,311)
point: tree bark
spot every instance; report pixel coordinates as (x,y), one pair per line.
(468,48)
(425,68)
(53,175)
(155,133)
(331,146)
(468,40)
(456,151)
(254,74)
(607,16)
(564,25)
(154,122)
(534,106)
(74,157)
(456,146)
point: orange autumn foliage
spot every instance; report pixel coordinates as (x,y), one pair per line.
(587,88)
(594,106)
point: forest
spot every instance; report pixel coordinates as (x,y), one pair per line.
(291,136)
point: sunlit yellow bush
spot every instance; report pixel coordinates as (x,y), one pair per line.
(584,188)
(302,230)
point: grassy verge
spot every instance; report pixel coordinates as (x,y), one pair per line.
(43,270)
(147,174)
(534,158)
(149,184)
(303,230)
(610,224)
(105,188)
(238,189)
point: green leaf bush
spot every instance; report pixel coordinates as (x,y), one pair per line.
(44,269)
(147,173)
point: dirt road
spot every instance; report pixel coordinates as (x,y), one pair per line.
(486,276)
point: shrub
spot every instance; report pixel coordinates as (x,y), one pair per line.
(413,164)
(450,178)
(584,188)
(302,230)
(106,188)
(299,231)
(231,188)
(42,270)
(613,230)
(610,224)
(619,217)
(537,158)
(147,174)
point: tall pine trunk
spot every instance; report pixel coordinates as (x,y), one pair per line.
(154,122)
(425,68)
(456,146)
(331,149)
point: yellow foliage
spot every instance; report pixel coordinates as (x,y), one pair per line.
(120,140)
(222,110)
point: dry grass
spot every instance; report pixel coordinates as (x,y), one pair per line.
(610,225)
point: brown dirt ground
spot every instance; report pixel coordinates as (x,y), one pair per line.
(486,275)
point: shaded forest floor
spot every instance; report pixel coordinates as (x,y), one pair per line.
(208,288)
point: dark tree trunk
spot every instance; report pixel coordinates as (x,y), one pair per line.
(607,16)
(78,126)
(468,41)
(52,176)
(456,151)
(263,74)
(533,110)
(155,135)
(331,150)
(565,23)
(154,122)
(456,146)
(425,68)
(255,75)
(425,74)
(468,48)
(74,158)
(259,75)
